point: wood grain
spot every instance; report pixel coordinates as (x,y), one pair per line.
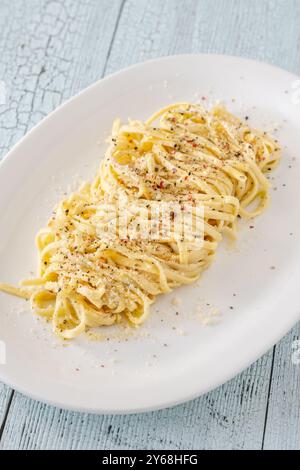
(50,50)
(283,424)
(266,30)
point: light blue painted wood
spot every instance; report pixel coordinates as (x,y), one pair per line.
(5,395)
(49,50)
(283,424)
(75,42)
(266,30)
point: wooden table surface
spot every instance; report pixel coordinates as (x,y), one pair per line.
(50,50)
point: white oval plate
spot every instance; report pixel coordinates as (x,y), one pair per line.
(174,357)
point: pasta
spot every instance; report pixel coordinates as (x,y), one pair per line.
(89,275)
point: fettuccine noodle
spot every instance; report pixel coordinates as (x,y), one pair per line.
(89,276)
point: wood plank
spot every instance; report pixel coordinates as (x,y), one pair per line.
(5,398)
(219,420)
(48,52)
(232,416)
